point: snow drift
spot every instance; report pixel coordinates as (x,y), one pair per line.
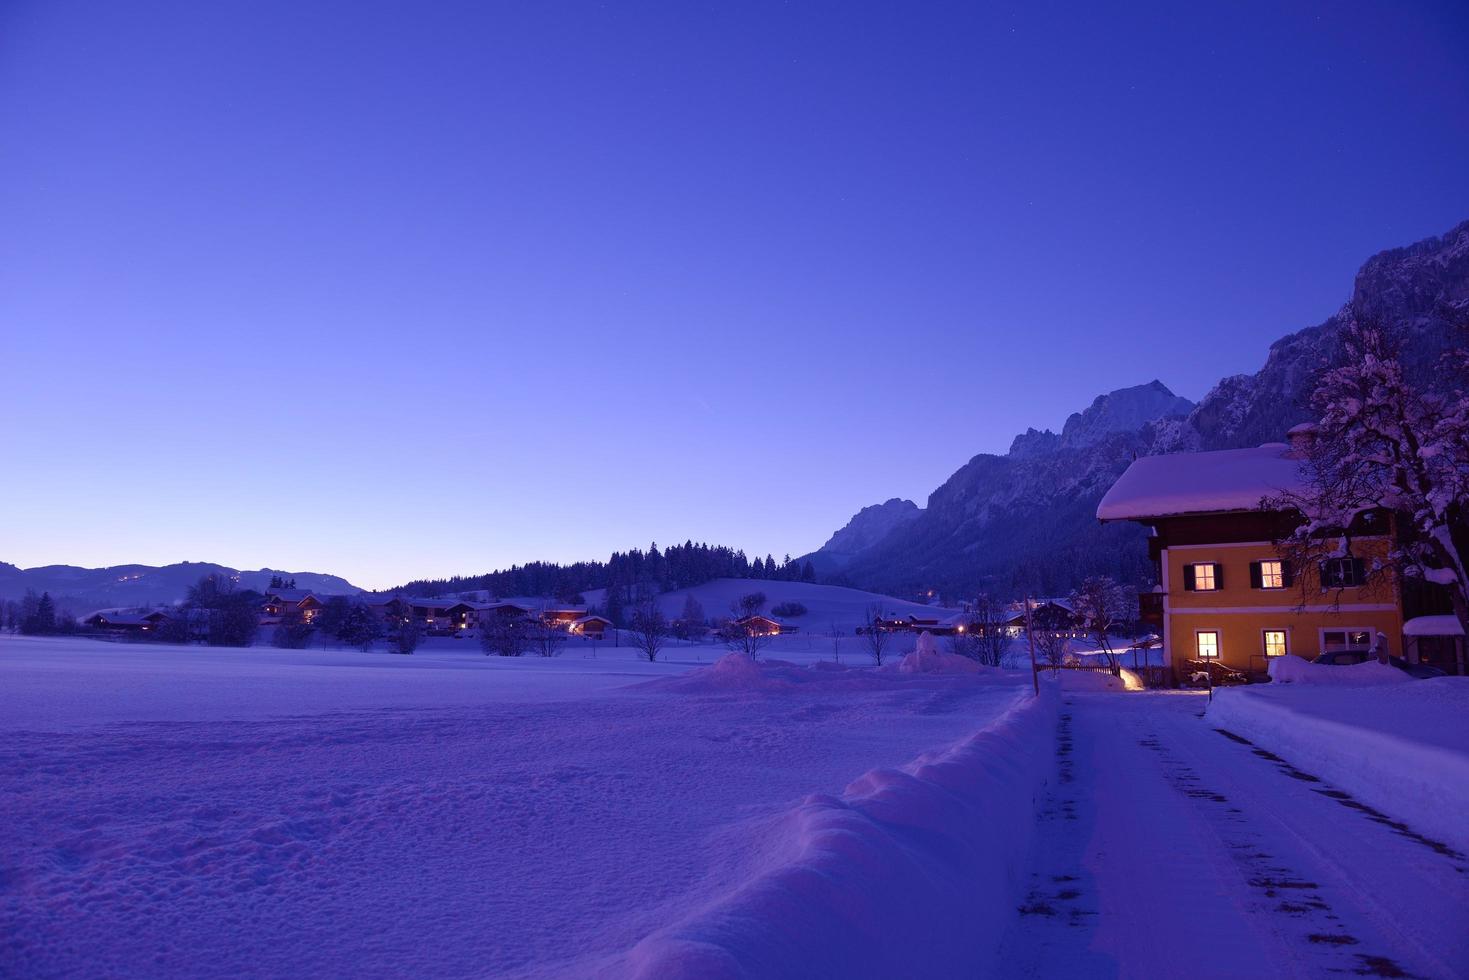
(909,872)
(1399,747)
(1291,669)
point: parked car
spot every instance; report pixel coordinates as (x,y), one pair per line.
(1345,658)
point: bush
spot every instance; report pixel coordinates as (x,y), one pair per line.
(789,609)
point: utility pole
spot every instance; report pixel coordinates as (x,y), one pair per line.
(1035,677)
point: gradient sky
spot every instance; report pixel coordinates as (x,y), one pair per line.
(393,289)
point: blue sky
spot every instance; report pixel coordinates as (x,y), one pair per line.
(393,289)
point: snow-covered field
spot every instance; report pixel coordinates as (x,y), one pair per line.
(198,812)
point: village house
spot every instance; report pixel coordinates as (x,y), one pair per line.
(123,623)
(277,603)
(759,625)
(591,626)
(1225,594)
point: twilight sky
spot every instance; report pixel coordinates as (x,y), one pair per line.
(393,289)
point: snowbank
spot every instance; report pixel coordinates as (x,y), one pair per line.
(909,872)
(1399,747)
(1291,669)
(927,658)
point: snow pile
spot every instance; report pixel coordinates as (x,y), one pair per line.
(927,658)
(909,872)
(1402,748)
(1291,669)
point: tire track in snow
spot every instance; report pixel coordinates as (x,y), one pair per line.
(1164,850)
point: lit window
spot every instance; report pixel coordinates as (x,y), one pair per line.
(1205,579)
(1272,575)
(1208,644)
(1275,643)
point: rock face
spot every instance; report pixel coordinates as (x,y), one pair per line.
(869,526)
(82,590)
(1026,521)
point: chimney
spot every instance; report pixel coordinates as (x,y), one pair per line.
(1302,439)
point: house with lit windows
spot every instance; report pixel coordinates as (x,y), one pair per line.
(1225,595)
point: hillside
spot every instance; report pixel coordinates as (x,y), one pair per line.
(84,589)
(1025,521)
(826,605)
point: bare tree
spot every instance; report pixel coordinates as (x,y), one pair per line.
(1050,646)
(648,628)
(748,604)
(1102,605)
(545,639)
(745,635)
(502,635)
(875,634)
(981,636)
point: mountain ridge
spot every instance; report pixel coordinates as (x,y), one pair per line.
(1025,521)
(113,586)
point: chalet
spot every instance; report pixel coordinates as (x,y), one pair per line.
(277,603)
(127,623)
(1225,594)
(561,617)
(1046,616)
(592,626)
(758,624)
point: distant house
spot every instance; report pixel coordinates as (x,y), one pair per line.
(277,603)
(1046,616)
(591,626)
(127,623)
(561,617)
(760,625)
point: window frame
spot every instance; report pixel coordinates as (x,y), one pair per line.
(1215,576)
(1218,645)
(1279,574)
(1284,643)
(1345,631)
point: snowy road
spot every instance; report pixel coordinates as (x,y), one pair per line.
(1169,849)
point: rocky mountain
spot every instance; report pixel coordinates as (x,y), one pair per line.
(84,589)
(1026,521)
(866,528)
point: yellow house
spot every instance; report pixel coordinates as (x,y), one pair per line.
(1225,595)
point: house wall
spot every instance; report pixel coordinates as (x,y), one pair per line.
(1240,613)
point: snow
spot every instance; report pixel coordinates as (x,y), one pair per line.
(1401,747)
(1291,669)
(186,811)
(927,658)
(826,605)
(1200,483)
(907,872)
(1166,849)
(1433,626)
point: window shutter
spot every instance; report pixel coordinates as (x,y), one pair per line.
(1359,570)
(1188,578)
(1287,574)
(1218,576)
(1328,579)
(1256,580)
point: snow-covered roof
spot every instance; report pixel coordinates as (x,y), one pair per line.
(1201,483)
(1433,626)
(594,618)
